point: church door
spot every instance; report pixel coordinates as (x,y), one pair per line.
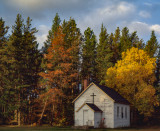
(85,117)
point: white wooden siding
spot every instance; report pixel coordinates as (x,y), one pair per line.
(119,121)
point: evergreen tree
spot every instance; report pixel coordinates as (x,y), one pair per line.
(32,61)
(102,53)
(23,48)
(89,55)
(51,33)
(15,46)
(7,93)
(73,42)
(116,46)
(125,42)
(152,45)
(136,42)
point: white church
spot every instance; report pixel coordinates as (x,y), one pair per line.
(100,106)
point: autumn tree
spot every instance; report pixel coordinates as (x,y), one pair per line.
(152,45)
(59,74)
(133,77)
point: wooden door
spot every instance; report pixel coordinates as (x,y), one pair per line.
(85,117)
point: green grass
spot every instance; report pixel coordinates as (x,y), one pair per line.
(48,128)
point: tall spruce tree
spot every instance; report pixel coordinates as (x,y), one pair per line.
(15,41)
(152,45)
(7,93)
(23,47)
(51,33)
(136,42)
(102,52)
(32,61)
(116,46)
(125,42)
(73,41)
(89,55)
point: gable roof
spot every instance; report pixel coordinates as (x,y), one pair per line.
(94,107)
(110,92)
(91,106)
(113,94)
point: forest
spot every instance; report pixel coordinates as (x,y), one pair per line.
(37,86)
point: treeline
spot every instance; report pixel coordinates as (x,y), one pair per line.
(38,86)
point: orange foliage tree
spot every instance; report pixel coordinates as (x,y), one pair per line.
(133,77)
(59,78)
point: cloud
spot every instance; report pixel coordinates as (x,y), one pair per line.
(143,29)
(111,15)
(42,34)
(144,14)
(156,28)
(38,5)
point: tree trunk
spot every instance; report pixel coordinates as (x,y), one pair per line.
(52,115)
(19,118)
(39,121)
(19,113)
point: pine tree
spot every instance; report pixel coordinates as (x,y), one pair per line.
(73,42)
(51,33)
(152,45)
(102,52)
(116,46)
(23,47)
(89,55)
(32,61)
(7,93)
(125,42)
(136,42)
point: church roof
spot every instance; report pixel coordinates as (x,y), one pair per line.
(110,92)
(113,94)
(94,107)
(91,106)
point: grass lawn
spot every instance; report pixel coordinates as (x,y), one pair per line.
(47,128)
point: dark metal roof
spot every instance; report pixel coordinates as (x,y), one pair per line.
(113,94)
(94,107)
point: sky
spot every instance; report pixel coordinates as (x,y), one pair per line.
(142,16)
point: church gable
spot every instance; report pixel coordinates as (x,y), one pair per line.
(116,97)
(90,91)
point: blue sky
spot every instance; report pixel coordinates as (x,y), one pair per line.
(138,15)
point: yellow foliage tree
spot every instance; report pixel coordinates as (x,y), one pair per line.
(133,78)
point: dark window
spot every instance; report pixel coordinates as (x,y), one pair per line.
(122,112)
(117,111)
(126,112)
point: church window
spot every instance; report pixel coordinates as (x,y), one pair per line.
(122,112)
(126,112)
(117,111)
